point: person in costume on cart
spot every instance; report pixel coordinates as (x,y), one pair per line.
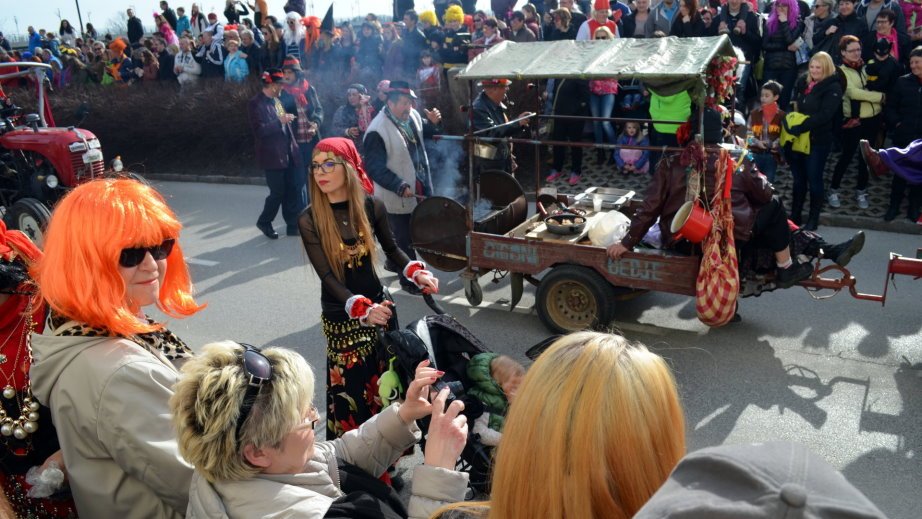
(759,217)
(490,114)
(339,229)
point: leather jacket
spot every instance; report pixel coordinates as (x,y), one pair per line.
(666,194)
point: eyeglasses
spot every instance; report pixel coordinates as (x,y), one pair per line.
(258,371)
(133,256)
(326,167)
(858,49)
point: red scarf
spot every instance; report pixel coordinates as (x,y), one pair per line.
(810,87)
(345,149)
(298,91)
(768,113)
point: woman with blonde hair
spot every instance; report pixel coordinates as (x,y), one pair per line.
(818,96)
(339,229)
(245,419)
(107,370)
(607,416)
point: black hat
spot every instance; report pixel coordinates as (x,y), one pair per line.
(401,87)
(327,23)
(272,75)
(882,47)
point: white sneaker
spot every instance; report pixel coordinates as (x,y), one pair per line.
(862,197)
(833,199)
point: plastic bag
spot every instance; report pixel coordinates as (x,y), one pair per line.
(46,482)
(609,229)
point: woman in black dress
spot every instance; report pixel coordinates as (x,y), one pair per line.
(338,230)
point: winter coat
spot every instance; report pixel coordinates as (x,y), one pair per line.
(830,43)
(751,41)
(882,75)
(856,91)
(667,190)
(903,46)
(660,19)
(315,493)
(275,144)
(198,23)
(183,25)
(904,110)
(135,30)
(109,399)
(823,106)
(693,28)
(235,68)
(486,389)
(488,114)
(187,69)
(640,163)
(775,46)
(170,16)
(900,25)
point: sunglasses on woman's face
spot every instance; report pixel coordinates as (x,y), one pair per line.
(132,257)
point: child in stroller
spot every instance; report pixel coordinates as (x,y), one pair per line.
(450,347)
(496,379)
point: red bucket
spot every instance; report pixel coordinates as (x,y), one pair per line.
(692,222)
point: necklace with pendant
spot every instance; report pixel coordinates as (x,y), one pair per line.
(27,422)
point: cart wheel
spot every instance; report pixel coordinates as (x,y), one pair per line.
(31,217)
(572,298)
(473,292)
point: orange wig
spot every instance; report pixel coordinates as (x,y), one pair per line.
(79,273)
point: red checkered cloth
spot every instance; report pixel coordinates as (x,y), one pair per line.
(718,283)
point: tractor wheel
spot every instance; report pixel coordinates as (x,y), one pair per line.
(572,298)
(29,216)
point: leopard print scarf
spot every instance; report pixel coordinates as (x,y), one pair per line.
(164,341)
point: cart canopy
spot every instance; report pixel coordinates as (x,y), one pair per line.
(665,65)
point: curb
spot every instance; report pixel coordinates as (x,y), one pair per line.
(900,225)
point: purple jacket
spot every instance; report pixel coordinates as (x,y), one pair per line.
(275,144)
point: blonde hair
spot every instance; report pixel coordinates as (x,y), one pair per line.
(79,273)
(605,30)
(326,225)
(826,63)
(607,414)
(206,405)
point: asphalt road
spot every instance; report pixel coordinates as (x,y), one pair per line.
(836,375)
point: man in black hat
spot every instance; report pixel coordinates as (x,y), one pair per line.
(277,153)
(491,120)
(396,160)
(300,98)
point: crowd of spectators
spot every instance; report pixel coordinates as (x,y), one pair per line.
(777,39)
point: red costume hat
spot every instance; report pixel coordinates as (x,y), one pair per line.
(602,5)
(345,149)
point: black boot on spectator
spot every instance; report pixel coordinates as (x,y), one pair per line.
(813,220)
(842,253)
(891,214)
(788,277)
(797,208)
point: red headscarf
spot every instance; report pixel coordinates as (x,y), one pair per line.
(345,149)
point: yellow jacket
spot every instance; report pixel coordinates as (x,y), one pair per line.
(799,143)
(855,91)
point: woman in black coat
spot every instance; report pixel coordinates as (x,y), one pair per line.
(818,95)
(687,22)
(780,40)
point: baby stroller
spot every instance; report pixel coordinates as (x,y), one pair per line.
(449,346)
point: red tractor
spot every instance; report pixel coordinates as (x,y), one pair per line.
(39,164)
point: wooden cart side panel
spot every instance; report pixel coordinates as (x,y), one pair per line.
(645,271)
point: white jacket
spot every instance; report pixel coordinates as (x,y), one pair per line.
(109,400)
(373,447)
(186,68)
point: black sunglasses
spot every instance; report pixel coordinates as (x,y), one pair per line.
(133,257)
(258,371)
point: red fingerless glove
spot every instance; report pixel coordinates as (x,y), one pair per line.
(413,270)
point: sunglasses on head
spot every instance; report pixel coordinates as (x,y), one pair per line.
(132,257)
(258,371)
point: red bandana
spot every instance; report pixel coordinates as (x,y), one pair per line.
(345,149)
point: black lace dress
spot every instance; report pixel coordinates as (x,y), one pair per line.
(353,362)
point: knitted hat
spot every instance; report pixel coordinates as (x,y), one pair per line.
(453,14)
(291,63)
(428,17)
(602,5)
(345,149)
(118,45)
(768,480)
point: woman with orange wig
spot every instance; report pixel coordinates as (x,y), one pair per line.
(107,370)
(606,415)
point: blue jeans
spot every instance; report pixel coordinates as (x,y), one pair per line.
(766,163)
(808,170)
(601,106)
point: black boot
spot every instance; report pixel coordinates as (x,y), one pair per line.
(786,278)
(843,253)
(813,219)
(797,207)
(914,210)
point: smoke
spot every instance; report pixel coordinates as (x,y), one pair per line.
(482,208)
(445,164)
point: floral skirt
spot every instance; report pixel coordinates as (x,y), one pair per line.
(353,369)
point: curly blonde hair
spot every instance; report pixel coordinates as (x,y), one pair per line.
(207,400)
